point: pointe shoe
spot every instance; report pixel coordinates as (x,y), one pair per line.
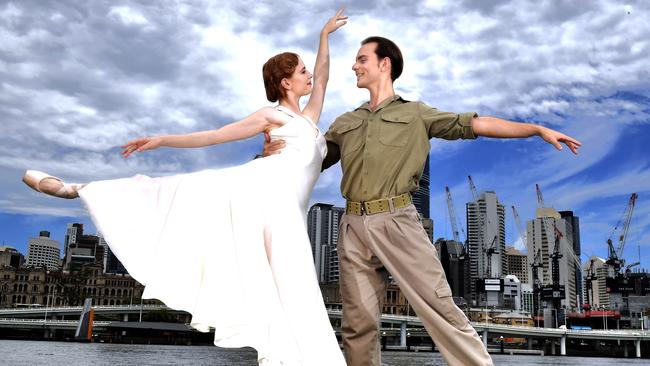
(33,179)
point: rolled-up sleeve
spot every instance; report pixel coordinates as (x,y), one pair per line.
(447,125)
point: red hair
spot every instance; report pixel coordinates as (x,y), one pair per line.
(274,70)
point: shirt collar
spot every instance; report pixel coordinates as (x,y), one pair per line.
(383,104)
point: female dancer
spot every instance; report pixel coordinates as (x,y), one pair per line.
(230,246)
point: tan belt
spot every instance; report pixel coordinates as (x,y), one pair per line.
(378,206)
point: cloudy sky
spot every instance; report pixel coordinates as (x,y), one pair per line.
(78,79)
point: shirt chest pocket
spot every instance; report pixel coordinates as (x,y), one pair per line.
(395,129)
(351,137)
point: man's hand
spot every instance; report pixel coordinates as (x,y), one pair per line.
(500,128)
(555,138)
(272,147)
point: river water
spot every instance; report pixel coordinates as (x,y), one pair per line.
(99,354)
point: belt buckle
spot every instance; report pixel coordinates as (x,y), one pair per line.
(363,208)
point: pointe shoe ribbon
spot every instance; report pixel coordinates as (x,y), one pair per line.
(34,178)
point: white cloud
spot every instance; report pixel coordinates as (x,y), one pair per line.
(127,15)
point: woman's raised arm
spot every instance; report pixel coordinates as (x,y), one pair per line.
(322,67)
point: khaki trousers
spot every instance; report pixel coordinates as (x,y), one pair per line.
(396,241)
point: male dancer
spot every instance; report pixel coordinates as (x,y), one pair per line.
(383,146)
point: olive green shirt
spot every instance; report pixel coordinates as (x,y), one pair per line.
(383,152)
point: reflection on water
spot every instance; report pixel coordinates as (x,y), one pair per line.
(98,354)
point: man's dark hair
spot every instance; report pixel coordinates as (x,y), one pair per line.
(388,48)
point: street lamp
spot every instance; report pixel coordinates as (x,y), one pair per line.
(486,316)
(47,299)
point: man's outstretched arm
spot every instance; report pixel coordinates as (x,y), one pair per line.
(497,127)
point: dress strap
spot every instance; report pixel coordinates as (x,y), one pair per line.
(283,110)
(292,114)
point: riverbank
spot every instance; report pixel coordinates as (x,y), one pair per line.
(28,353)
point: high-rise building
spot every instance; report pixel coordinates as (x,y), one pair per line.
(574,231)
(599,295)
(421,197)
(43,251)
(323,223)
(10,257)
(512,292)
(486,235)
(527,298)
(73,230)
(542,233)
(82,249)
(453,259)
(111,263)
(517,264)
(421,200)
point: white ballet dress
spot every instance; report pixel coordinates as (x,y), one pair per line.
(198,242)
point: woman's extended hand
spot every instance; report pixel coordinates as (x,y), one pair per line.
(141,144)
(335,22)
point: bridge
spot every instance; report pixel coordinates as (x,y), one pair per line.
(392,325)
(76,310)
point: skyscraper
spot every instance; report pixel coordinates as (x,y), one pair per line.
(599,295)
(517,264)
(82,249)
(421,200)
(421,197)
(111,263)
(542,233)
(323,228)
(71,234)
(10,257)
(43,251)
(486,236)
(574,232)
(452,258)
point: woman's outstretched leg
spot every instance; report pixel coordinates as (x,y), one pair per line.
(44,183)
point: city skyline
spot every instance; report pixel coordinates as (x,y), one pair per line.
(119,72)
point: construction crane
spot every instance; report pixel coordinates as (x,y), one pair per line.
(628,268)
(555,259)
(537,284)
(490,251)
(555,291)
(452,215)
(540,198)
(589,279)
(472,188)
(615,258)
(522,233)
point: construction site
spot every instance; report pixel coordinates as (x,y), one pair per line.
(547,285)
